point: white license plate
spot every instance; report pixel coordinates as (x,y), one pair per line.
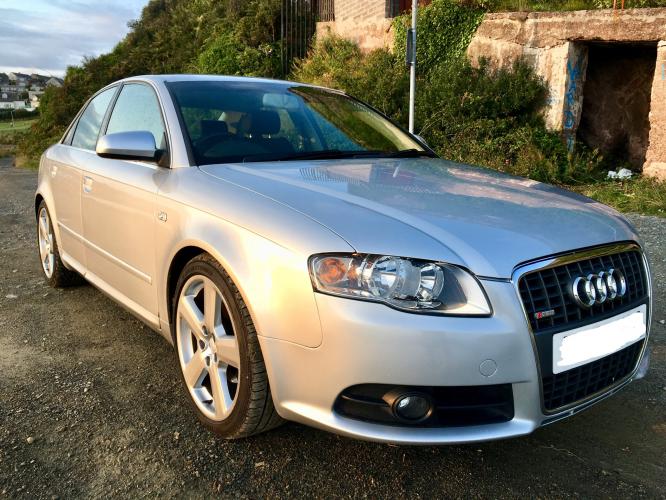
(589,343)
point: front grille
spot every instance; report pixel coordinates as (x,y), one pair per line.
(578,383)
(547,289)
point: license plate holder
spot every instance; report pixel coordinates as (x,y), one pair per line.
(588,343)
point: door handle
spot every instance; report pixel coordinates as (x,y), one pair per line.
(87,184)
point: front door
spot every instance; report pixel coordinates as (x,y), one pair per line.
(119,208)
(64,169)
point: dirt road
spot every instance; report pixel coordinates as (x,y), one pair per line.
(91,405)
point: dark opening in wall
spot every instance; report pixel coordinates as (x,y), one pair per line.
(616,99)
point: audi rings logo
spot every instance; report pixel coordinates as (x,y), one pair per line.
(598,288)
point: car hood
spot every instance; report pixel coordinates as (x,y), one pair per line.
(434,209)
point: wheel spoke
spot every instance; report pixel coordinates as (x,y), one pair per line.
(194,369)
(212,304)
(42,249)
(192,315)
(221,398)
(42,228)
(227,350)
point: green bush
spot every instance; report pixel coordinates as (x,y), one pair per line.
(378,77)
(249,45)
(445,28)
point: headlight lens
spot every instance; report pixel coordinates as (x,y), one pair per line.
(409,284)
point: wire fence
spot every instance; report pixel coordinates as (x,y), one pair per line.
(298,26)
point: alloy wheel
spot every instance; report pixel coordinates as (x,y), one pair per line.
(207,347)
(45,233)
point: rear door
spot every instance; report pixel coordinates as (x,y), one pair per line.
(65,170)
(119,207)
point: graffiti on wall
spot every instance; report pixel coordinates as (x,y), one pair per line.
(574,87)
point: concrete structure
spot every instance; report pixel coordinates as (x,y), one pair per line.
(605,69)
(655,164)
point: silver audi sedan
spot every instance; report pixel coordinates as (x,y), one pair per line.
(309,260)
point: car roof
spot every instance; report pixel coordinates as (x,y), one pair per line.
(214,78)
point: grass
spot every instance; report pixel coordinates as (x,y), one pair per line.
(19,126)
(641,195)
(9,136)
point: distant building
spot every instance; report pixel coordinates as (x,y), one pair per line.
(18,77)
(11,100)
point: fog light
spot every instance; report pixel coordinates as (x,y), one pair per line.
(412,407)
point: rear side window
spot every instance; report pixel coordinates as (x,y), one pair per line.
(87,129)
(137,109)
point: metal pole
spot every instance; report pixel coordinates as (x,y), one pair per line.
(412,70)
(282,44)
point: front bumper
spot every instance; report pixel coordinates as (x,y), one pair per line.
(368,343)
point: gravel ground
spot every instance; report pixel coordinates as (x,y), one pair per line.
(91,405)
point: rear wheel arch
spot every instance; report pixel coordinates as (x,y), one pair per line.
(38,201)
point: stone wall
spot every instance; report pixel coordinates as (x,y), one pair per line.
(655,163)
(365,22)
(557,45)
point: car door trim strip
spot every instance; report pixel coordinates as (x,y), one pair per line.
(131,269)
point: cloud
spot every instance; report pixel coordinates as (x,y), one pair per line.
(49,35)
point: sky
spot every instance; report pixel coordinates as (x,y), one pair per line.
(46,36)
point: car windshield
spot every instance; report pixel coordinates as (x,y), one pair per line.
(245,121)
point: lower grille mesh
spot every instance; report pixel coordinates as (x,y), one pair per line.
(578,383)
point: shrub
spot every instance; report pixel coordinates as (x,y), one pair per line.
(377,78)
(445,28)
(249,45)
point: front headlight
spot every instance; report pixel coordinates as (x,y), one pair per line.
(408,284)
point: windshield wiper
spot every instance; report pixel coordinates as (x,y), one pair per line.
(409,153)
(333,154)
(326,154)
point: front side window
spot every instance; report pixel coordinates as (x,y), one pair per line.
(87,129)
(241,121)
(137,109)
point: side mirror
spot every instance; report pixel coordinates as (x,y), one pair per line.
(138,145)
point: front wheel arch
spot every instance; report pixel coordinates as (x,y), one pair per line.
(178,263)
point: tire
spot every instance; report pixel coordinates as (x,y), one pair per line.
(231,401)
(55,272)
